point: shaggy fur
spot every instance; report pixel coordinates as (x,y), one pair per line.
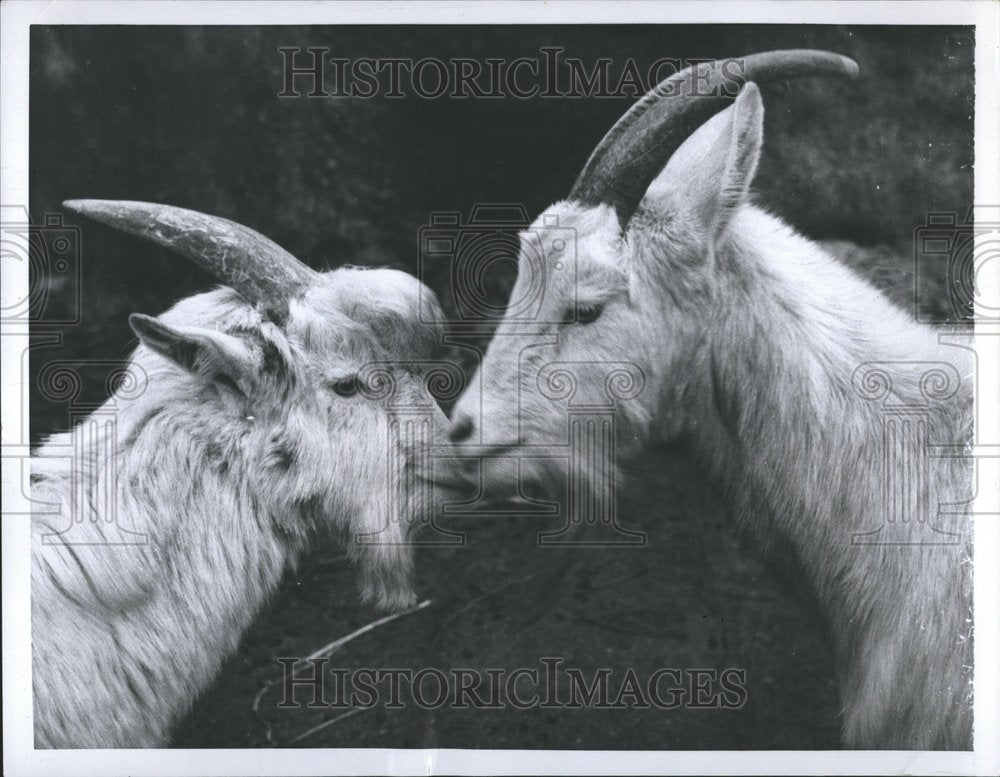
(750,337)
(238,451)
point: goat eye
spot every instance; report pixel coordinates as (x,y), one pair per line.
(586,314)
(345,387)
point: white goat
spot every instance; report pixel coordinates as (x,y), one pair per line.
(261,424)
(754,343)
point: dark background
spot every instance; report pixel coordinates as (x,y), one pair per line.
(190,117)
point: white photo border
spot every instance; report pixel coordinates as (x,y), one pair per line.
(20,758)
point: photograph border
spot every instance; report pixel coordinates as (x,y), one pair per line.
(20,758)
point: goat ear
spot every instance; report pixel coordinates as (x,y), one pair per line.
(206,353)
(708,177)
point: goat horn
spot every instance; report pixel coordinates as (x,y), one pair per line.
(641,142)
(259,269)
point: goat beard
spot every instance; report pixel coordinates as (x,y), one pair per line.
(379,540)
(386,575)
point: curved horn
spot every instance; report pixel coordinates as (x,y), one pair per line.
(641,142)
(259,269)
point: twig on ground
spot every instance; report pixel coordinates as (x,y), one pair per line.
(326,724)
(484,596)
(328,650)
(325,652)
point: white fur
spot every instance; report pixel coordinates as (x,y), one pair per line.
(749,337)
(225,482)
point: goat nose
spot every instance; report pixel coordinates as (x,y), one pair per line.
(461,429)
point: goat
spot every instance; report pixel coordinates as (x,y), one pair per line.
(760,348)
(263,421)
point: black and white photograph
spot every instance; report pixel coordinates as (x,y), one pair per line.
(529,388)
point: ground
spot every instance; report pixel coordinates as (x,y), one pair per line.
(693,597)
